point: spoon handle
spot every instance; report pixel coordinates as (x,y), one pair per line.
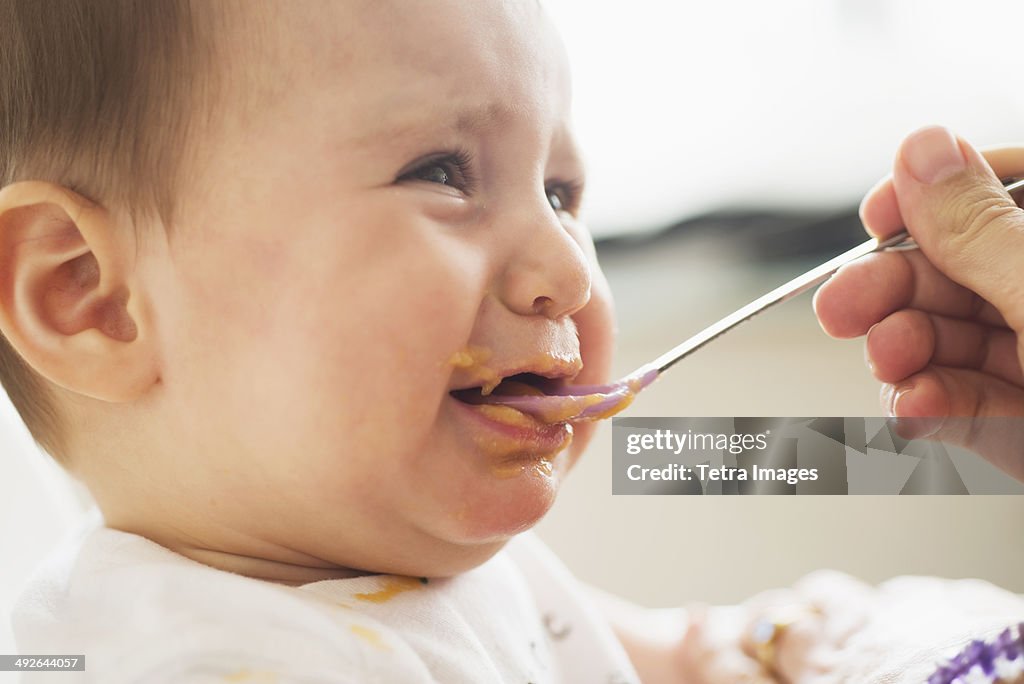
(798,285)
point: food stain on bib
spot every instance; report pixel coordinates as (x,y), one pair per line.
(393,586)
(370,636)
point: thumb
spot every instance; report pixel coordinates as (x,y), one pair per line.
(962,218)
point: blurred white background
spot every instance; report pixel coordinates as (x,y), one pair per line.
(684,108)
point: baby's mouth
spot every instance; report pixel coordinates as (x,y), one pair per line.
(553,400)
(518,385)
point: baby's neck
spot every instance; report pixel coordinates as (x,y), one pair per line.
(240,554)
(268,570)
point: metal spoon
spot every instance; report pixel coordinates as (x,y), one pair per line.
(595,402)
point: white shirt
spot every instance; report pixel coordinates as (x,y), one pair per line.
(140,612)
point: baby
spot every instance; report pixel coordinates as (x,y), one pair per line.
(250,254)
(247,249)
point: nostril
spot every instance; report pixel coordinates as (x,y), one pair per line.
(541,305)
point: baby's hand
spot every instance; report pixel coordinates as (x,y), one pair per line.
(945,324)
(899,632)
(727,644)
(711,651)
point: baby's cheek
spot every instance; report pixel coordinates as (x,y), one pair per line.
(596,325)
(596,320)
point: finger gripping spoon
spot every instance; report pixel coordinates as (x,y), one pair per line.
(575,403)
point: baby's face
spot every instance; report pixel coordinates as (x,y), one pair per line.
(397,222)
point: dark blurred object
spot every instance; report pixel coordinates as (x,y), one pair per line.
(757,235)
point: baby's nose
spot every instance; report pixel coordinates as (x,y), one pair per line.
(548,272)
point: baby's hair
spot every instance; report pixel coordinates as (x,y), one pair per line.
(97,96)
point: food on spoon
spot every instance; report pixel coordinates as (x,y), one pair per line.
(552,401)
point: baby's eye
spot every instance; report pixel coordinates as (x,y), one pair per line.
(435,173)
(555,200)
(565,196)
(452,169)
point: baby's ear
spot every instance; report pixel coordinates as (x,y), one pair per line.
(69,299)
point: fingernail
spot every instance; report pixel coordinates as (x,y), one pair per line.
(932,154)
(886,396)
(867,357)
(900,396)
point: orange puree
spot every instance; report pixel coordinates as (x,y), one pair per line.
(508,447)
(620,405)
(508,452)
(471,359)
(548,362)
(393,586)
(506,415)
(569,407)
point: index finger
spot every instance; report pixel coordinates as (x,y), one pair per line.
(880,213)
(866,291)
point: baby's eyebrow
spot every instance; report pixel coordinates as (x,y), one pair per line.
(481,117)
(473,118)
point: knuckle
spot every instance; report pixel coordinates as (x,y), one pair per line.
(976,217)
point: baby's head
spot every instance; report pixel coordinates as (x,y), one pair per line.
(247,252)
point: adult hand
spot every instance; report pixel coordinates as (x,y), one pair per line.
(944,325)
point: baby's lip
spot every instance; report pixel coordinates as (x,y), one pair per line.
(546,365)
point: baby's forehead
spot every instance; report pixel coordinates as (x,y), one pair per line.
(407,60)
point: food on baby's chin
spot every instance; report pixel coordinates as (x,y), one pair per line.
(510,456)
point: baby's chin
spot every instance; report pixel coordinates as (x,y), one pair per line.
(486,476)
(486,516)
(510,510)
(471,537)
